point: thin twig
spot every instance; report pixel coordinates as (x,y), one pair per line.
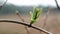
(45,19)
(3,4)
(23,21)
(57,4)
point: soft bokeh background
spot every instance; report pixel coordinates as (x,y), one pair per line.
(8,11)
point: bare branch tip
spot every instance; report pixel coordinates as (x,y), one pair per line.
(17,12)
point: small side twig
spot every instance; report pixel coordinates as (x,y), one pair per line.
(17,13)
(45,19)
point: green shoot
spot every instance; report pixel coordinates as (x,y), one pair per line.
(36,13)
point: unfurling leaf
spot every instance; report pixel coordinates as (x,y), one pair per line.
(36,13)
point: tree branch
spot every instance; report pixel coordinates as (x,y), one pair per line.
(22,23)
